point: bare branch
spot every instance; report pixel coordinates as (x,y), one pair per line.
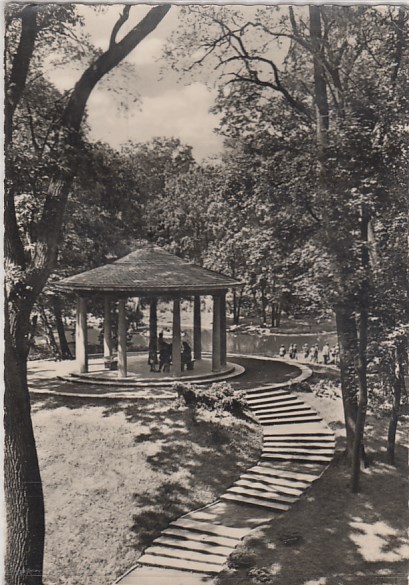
(119,23)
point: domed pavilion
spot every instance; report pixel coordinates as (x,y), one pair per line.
(150,273)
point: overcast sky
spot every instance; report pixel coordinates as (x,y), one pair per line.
(167,108)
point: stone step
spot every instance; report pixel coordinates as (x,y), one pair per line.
(194,545)
(292,449)
(290,485)
(268,487)
(296,457)
(295,411)
(183,565)
(262,393)
(308,430)
(200,537)
(294,408)
(206,527)
(300,440)
(281,404)
(271,471)
(187,555)
(255,502)
(252,400)
(290,419)
(280,499)
(300,445)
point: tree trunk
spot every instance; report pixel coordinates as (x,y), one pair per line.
(239,304)
(49,333)
(263,306)
(362,357)
(235,312)
(33,331)
(278,315)
(398,389)
(27,276)
(22,480)
(275,314)
(64,347)
(348,351)
(362,401)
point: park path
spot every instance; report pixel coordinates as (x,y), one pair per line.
(297,448)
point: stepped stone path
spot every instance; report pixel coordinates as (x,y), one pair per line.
(297,447)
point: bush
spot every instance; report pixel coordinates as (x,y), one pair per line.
(219,397)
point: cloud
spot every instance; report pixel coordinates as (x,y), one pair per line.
(182,112)
(147,52)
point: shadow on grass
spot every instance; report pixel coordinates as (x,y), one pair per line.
(200,458)
(344,538)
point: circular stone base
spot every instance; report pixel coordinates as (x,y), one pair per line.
(139,375)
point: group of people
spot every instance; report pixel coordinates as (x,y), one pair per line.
(329,355)
(160,354)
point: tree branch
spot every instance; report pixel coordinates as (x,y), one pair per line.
(49,228)
(21,63)
(121,20)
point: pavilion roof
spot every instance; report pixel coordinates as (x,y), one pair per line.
(148,271)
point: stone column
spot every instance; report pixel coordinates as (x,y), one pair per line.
(122,366)
(176,354)
(153,320)
(197,329)
(216,334)
(153,332)
(107,329)
(81,336)
(223,341)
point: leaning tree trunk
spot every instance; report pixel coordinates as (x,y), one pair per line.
(49,333)
(64,347)
(22,480)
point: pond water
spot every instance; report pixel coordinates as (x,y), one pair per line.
(237,342)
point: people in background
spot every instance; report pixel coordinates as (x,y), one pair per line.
(153,355)
(336,354)
(295,351)
(282,351)
(186,355)
(314,354)
(165,353)
(325,353)
(306,350)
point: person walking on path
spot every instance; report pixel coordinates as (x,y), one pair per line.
(314,354)
(291,351)
(282,351)
(325,353)
(295,351)
(306,350)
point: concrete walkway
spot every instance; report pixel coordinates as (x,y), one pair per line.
(297,448)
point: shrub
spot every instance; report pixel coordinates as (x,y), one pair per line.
(219,397)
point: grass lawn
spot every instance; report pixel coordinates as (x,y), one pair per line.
(115,473)
(330,536)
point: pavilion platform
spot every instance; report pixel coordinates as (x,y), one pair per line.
(139,374)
